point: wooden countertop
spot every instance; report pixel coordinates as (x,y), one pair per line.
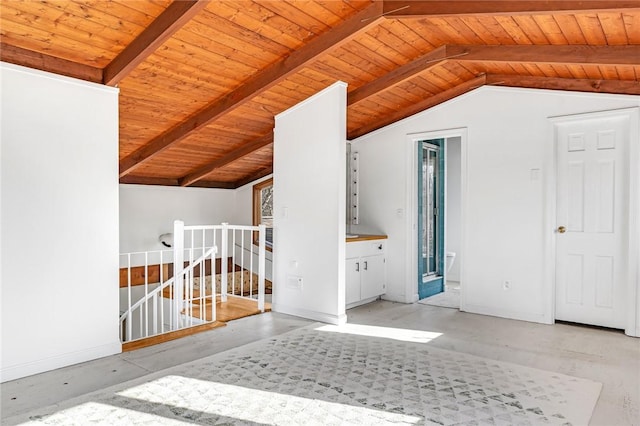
(366,237)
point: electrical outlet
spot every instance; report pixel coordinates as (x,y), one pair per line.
(294,283)
(506,285)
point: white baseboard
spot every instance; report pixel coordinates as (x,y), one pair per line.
(362,302)
(58,361)
(400,298)
(504,313)
(312,315)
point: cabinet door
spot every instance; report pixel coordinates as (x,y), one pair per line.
(372,276)
(352,280)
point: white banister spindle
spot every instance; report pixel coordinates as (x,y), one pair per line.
(242,263)
(161,294)
(213,282)
(146,293)
(223,262)
(155,314)
(262,238)
(233,263)
(178,267)
(129,321)
(141,321)
(251,263)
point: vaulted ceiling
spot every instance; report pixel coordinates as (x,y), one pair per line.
(200,82)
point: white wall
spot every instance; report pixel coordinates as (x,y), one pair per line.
(59,221)
(148,211)
(309,207)
(508,136)
(453,230)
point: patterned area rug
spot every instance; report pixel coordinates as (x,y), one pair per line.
(450,298)
(329,375)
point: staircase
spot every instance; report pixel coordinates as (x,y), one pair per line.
(171,293)
(201,302)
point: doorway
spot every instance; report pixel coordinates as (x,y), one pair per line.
(592,219)
(439,204)
(431,168)
(417,234)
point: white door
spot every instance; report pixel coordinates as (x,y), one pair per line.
(592,222)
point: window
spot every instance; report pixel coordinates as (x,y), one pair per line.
(263,207)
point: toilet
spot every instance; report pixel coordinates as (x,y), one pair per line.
(451,257)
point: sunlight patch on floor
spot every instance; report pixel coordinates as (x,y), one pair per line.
(254,405)
(405,335)
(105,414)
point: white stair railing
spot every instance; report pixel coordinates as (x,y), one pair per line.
(247,279)
(148,306)
(166,301)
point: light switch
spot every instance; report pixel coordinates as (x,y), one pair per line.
(535,174)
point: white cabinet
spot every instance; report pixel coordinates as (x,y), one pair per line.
(372,276)
(365,271)
(352,280)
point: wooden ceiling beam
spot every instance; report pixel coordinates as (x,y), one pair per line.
(255,176)
(41,61)
(625,87)
(259,83)
(429,102)
(214,184)
(229,158)
(575,55)
(163,27)
(395,9)
(147,180)
(398,75)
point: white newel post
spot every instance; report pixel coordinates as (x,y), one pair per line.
(223,261)
(178,267)
(262,237)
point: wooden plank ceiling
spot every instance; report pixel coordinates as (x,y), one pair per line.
(200,82)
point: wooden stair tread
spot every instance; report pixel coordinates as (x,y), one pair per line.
(234,308)
(196,294)
(172,335)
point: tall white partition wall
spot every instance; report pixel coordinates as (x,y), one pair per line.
(59,221)
(309,207)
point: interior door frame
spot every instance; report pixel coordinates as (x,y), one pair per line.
(411,206)
(633,250)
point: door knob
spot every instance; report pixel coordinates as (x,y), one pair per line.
(562,229)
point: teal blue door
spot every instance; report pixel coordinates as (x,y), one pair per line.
(430,217)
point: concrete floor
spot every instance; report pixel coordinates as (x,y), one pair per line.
(605,356)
